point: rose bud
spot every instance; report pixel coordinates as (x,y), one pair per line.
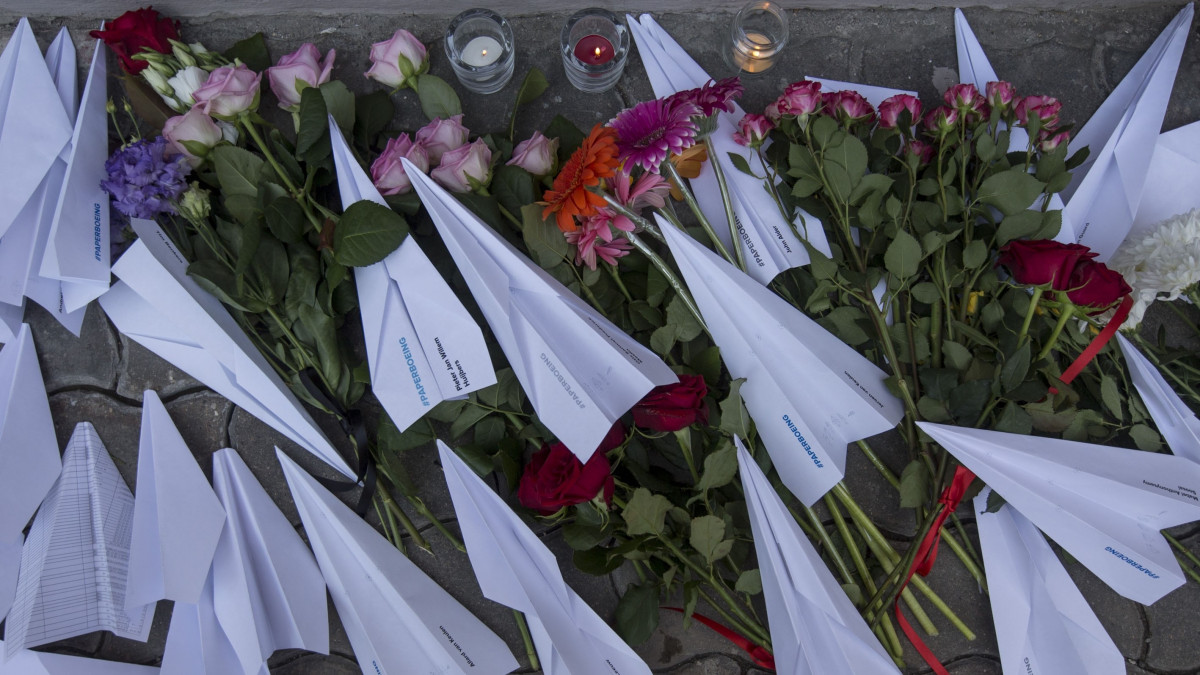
(441,136)
(772,111)
(1096,287)
(555,478)
(387,171)
(1000,95)
(192,135)
(1044,108)
(399,61)
(136,30)
(848,106)
(229,91)
(465,164)
(1042,262)
(919,149)
(968,101)
(801,98)
(538,155)
(890,109)
(941,120)
(753,130)
(302,68)
(1050,139)
(673,406)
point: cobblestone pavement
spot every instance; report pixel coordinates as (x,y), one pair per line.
(1078,56)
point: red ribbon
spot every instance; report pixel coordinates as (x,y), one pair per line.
(1097,343)
(760,655)
(927,554)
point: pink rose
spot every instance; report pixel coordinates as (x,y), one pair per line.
(538,155)
(772,111)
(848,106)
(1045,108)
(300,69)
(464,164)
(890,109)
(800,98)
(1000,95)
(941,120)
(397,62)
(919,149)
(387,171)
(192,135)
(753,130)
(1049,139)
(228,91)
(441,136)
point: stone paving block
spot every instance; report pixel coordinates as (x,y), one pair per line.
(712,664)
(201,419)
(673,644)
(89,360)
(115,648)
(142,369)
(873,492)
(117,423)
(296,662)
(1175,635)
(967,665)
(1121,618)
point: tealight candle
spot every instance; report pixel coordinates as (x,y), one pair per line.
(594,47)
(479,45)
(758,34)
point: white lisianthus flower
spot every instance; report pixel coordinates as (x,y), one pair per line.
(1162,264)
(185,82)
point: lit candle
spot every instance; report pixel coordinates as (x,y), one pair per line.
(481,51)
(594,50)
(759,33)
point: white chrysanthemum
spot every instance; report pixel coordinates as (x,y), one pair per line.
(1162,264)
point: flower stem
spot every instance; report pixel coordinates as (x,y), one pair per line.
(1067,312)
(425,513)
(667,272)
(530,652)
(734,605)
(1183,549)
(1033,305)
(827,544)
(669,169)
(407,522)
(719,172)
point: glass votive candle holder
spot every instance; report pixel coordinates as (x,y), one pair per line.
(758,35)
(479,45)
(594,46)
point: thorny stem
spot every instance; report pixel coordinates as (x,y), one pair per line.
(669,169)
(407,522)
(734,605)
(719,172)
(667,272)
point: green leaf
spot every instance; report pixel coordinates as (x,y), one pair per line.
(438,99)
(719,468)
(469,417)
(1019,226)
(637,613)
(914,485)
(286,220)
(533,86)
(995,502)
(373,112)
(645,513)
(251,51)
(823,130)
(1015,368)
(217,279)
(903,256)
(681,318)
(933,410)
(968,400)
(1014,420)
(749,582)
(735,421)
(569,137)
(1110,395)
(926,292)
(1010,191)
(708,538)
(340,103)
(324,333)
(847,323)
(740,163)
(1145,438)
(238,170)
(545,241)
(956,355)
(871,183)
(367,233)
(975,254)
(707,363)
(312,140)
(662,340)
(514,188)
(272,269)
(251,235)
(581,536)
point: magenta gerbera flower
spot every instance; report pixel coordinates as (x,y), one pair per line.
(650,131)
(713,96)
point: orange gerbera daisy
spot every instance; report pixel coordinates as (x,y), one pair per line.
(596,158)
(688,163)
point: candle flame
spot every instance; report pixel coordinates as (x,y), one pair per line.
(483,52)
(597,51)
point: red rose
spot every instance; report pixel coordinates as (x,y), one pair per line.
(1094,285)
(1042,261)
(134,30)
(555,477)
(673,406)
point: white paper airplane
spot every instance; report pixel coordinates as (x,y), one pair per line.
(1104,505)
(29,461)
(398,619)
(10,321)
(1172,181)
(579,370)
(515,569)
(1043,623)
(34,128)
(422,345)
(815,629)
(974,68)
(1106,190)
(77,246)
(160,307)
(1174,419)
(809,393)
(769,242)
(41,663)
(267,591)
(75,561)
(176,517)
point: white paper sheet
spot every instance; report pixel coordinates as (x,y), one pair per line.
(41,663)
(770,244)
(10,321)
(196,641)
(75,562)
(1106,190)
(581,372)
(809,393)
(29,460)
(398,619)
(1043,623)
(516,569)
(815,629)
(176,517)
(160,307)
(268,593)
(422,345)
(1174,419)
(1172,181)
(1104,505)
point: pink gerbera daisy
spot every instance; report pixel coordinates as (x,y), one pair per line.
(594,239)
(713,96)
(650,131)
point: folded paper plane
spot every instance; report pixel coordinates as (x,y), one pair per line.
(815,629)
(1172,181)
(398,619)
(1104,505)
(770,243)
(422,345)
(1106,190)
(160,307)
(1043,623)
(1174,419)
(74,566)
(515,569)
(581,372)
(810,393)
(29,460)
(42,663)
(176,517)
